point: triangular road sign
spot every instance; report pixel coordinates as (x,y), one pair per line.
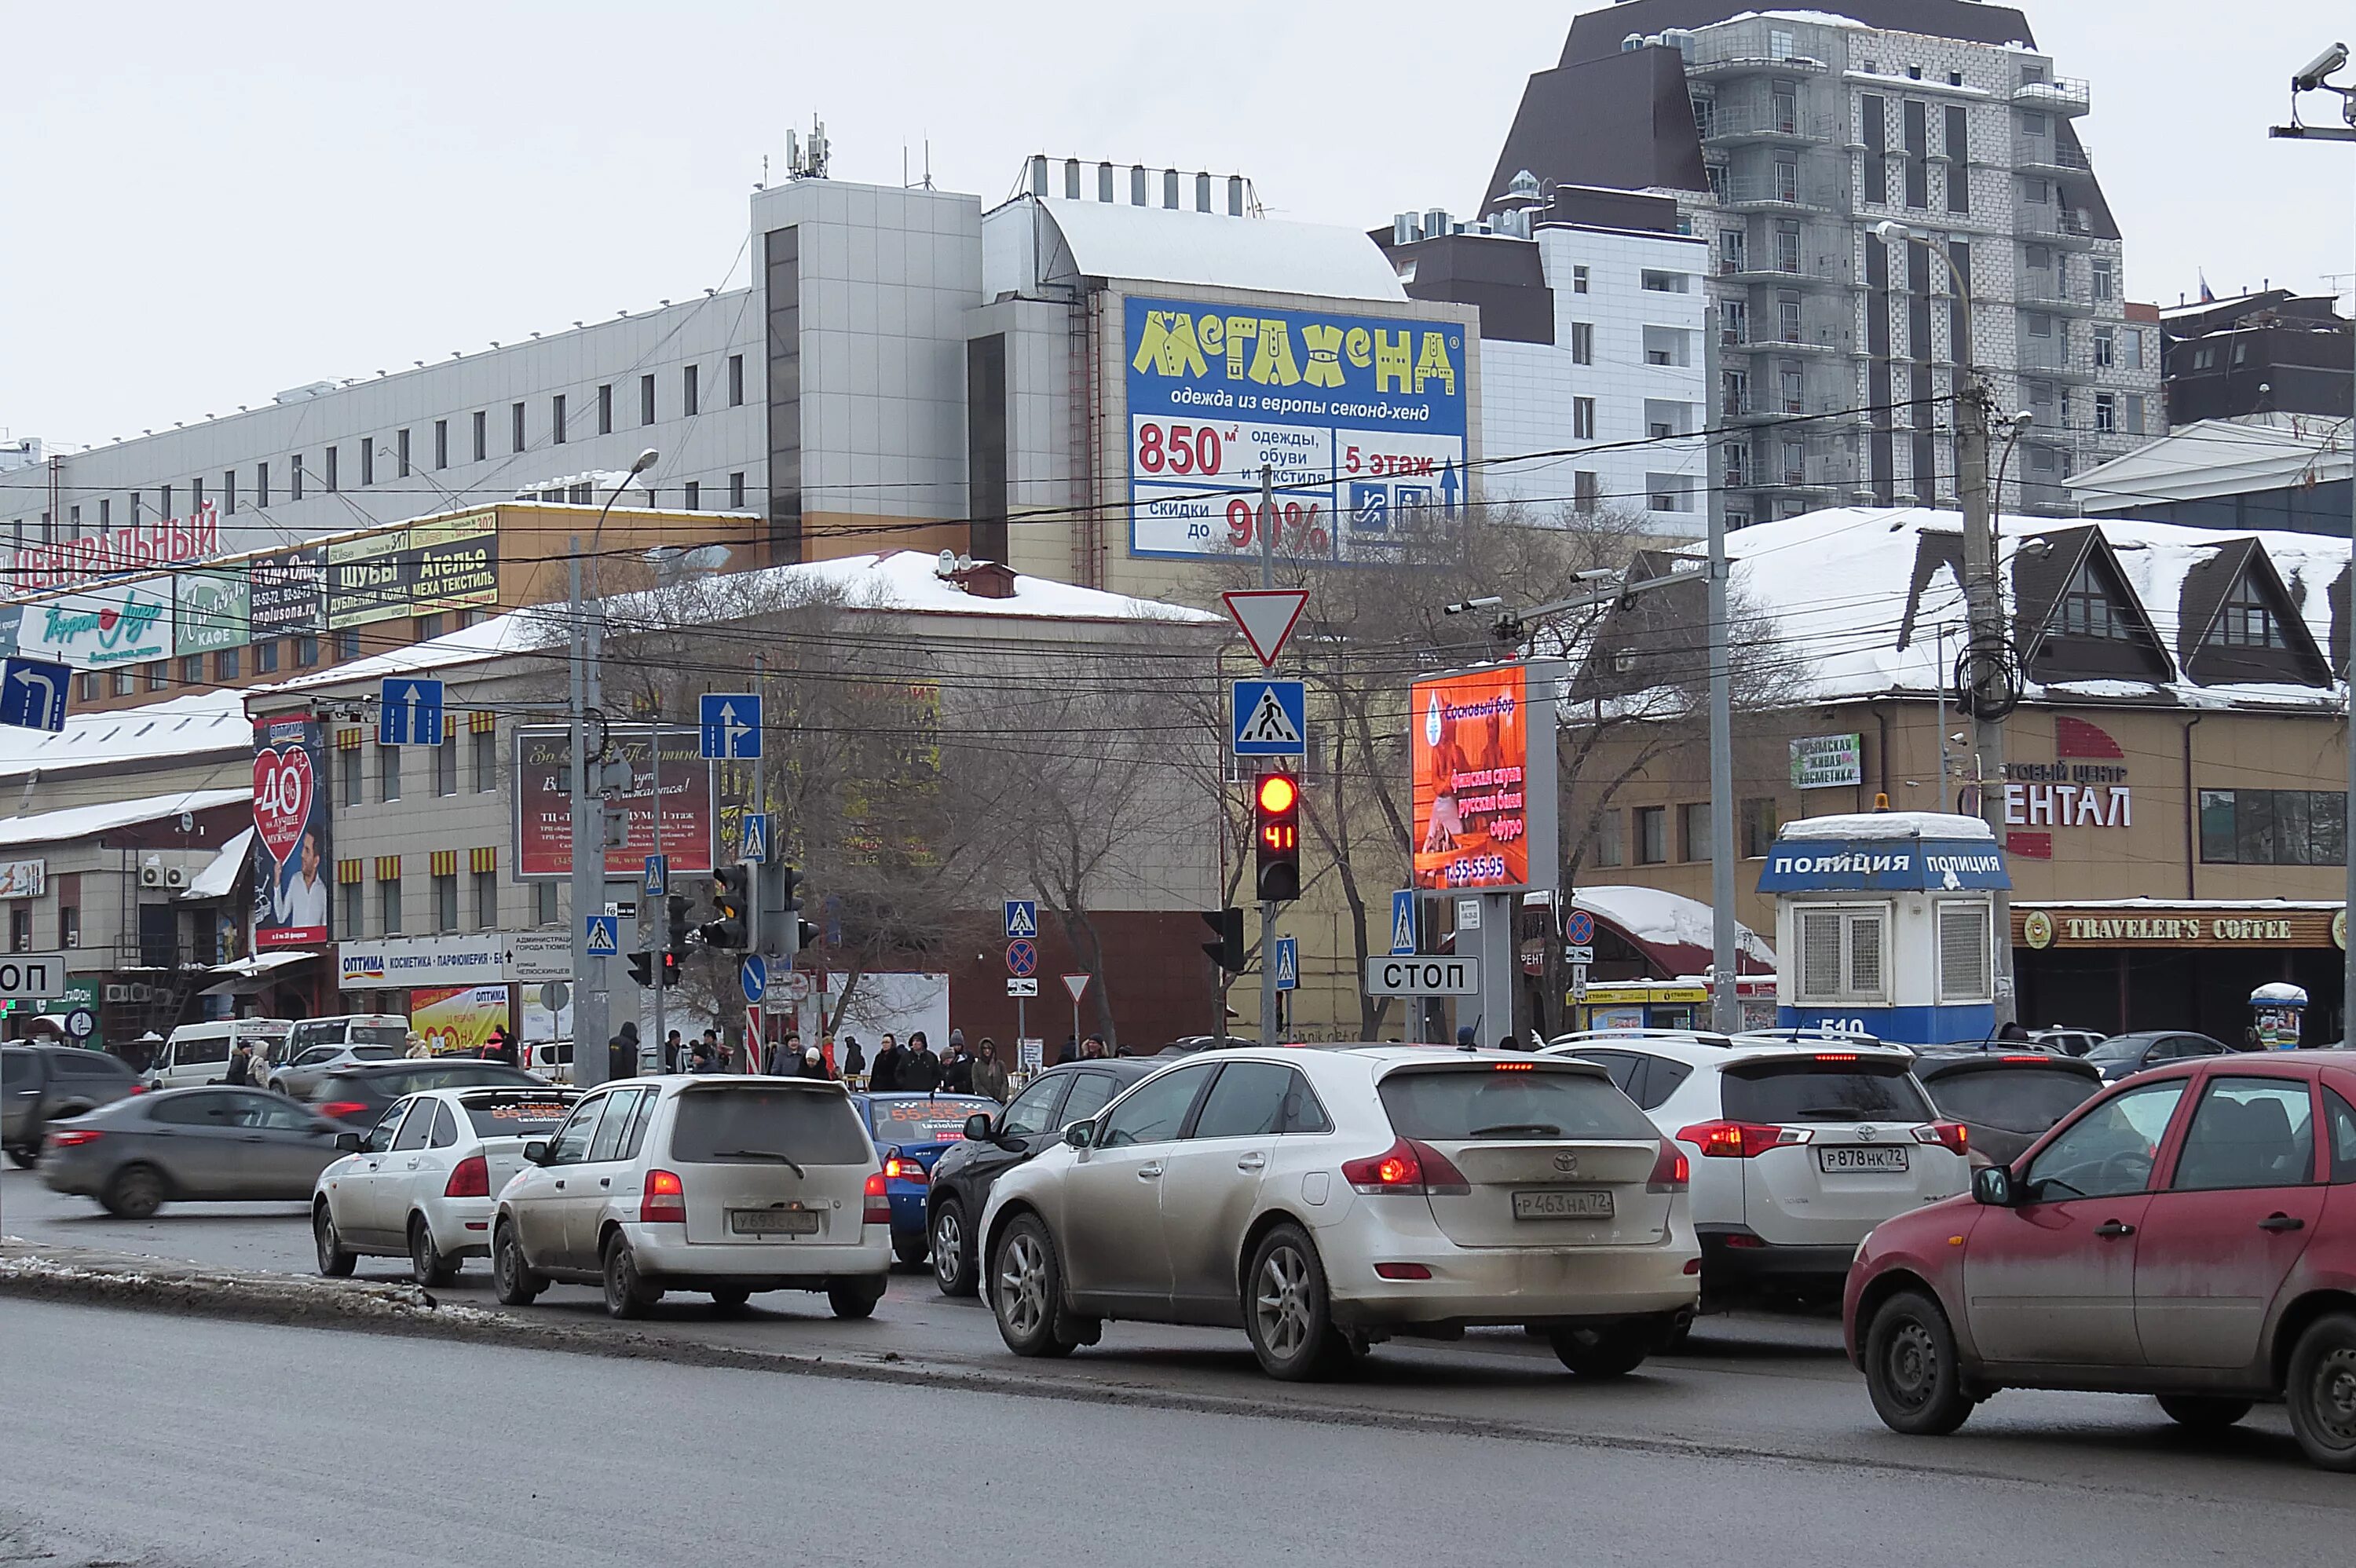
(1270,724)
(1266,616)
(1077,985)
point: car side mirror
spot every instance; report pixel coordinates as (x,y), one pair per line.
(1992,1185)
(977,1127)
(348,1143)
(536,1152)
(1080,1134)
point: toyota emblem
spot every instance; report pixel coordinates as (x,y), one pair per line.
(1868,1133)
(1566,1163)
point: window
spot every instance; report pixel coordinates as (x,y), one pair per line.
(121,684)
(68,926)
(417,1126)
(515,427)
(334,453)
(1787,249)
(1582,343)
(440,443)
(164,502)
(2036,192)
(2274,827)
(2104,346)
(86,686)
(556,420)
(1779,43)
(1033,1110)
(1964,975)
(2086,611)
(1758,824)
(487,762)
(306,651)
(694,496)
(348,643)
(1734,321)
(192,670)
(228,498)
(2099,268)
(735,491)
(606,410)
(486,900)
(1840,955)
(2135,414)
(1252,1099)
(265,656)
(388,905)
(1733,251)
(571,1144)
(261,490)
(1652,834)
(1734,392)
(1582,419)
(446,767)
(735,380)
(1693,830)
(1662,283)
(543,903)
(351,911)
(225,665)
(689,402)
(1668,493)
(1578,280)
(1792,388)
(349,763)
(2248,1132)
(646,399)
(2340,1118)
(445,903)
(1787,318)
(368,461)
(2106,413)
(1606,848)
(1153,1112)
(426,628)
(482,435)
(1586,489)
(20,929)
(1795,464)
(2132,341)
(387,772)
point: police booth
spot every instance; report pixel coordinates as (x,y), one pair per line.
(1885,924)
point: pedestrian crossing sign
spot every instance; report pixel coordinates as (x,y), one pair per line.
(1270,719)
(1287,964)
(1402,922)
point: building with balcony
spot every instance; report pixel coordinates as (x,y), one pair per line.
(2273,352)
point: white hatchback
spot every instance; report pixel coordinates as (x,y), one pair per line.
(1799,1144)
(1325,1200)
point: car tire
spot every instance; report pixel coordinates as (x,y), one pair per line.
(137,1192)
(953,1260)
(2204,1412)
(856,1297)
(2321,1391)
(1288,1310)
(1026,1289)
(910,1250)
(730,1299)
(336,1260)
(515,1282)
(1912,1369)
(627,1294)
(427,1267)
(23,1156)
(1601,1354)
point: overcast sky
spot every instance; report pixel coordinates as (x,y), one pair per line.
(206,204)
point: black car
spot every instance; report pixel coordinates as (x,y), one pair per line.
(1031,1121)
(2124,1055)
(40,1084)
(358,1095)
(2005,1100)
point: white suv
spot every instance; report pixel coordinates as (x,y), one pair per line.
(1801,1142)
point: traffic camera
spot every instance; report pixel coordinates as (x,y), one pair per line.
(1276,836)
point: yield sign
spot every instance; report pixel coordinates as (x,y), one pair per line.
(1077,985)
(1266,616)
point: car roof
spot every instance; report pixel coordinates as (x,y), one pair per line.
(1940,1063)
(401,1064)
(1699,1049)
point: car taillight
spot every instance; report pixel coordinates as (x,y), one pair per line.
(1739,1141)
(470,1177)
(1954,1134)
(1406,1167)
(878,1202)
(1671,1171)
(73,1137)
(1401,1271)
(139,1088)
(337,1109)
(665,1200)
(899,1167)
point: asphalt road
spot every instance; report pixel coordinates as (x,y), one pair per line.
(210,1443)
(1747,1387)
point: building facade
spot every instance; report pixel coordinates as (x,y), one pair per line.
(2275,352)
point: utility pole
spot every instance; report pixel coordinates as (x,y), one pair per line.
(655,915)
(1726,1005)
(1267,906)
(589,997)
(1985,607)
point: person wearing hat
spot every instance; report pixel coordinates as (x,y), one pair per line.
(957,1071)
(417,1045)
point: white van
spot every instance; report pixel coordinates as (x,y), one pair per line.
(349,1029)
(198,1052)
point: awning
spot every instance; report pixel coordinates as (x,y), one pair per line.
(243,977)
(219,876)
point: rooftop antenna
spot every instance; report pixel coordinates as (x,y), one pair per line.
(807,160)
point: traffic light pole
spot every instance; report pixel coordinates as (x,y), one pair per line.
(589,997)
(659,918)
(1267,906)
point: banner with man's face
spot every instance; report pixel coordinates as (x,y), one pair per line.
(293,869)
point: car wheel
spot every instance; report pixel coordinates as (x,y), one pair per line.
(136,1192)
(1287,1310)
(336,1260)
(515,1282)
(426,1264)
(2321,1391)
(909,1249)
(23,1156)
(856,1297)
(730,1298)
(1911,1368)
(626,1293)
(1026,1289)
(2204,1412)
(953,1268)
(1613,1351)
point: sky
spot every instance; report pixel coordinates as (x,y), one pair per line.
(204,204)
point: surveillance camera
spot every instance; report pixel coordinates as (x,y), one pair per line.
(2321,66)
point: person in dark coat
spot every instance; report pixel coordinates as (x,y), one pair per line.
(883,1076)
(670,1052)
(854,1060)
(240,1071)
(956,1073)
(920,1069)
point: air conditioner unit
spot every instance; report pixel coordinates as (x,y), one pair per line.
(151,875)
(176,877)
(118,993)
(140,992)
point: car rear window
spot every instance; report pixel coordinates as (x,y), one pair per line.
(1455,1104)
(1824,1089)
(925,1121)
(373,1053)
(2119,1047)
(376,1034)
(438,1075)
(91,1064)
(201,1050)
(512,1114)
(723,1125)
(2022,1099)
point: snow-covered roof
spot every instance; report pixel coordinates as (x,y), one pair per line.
(2218,457)
(1663,919)
(1154,244)
(187,728)
(219,874)
(89,821)
(517,630)
(1887,825)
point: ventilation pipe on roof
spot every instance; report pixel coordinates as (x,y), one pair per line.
(1435,223)
(1202,191)
(1104,182)
(1137,187)
(1631,43)
(1072,179)
(1235,195)
(1035,174)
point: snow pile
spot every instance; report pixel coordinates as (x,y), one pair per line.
(1887,825)
(1664,918)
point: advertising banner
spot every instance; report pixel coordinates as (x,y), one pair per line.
(210,611)
(543,825)
(101,627)
(142,547)
(475,958)
(1828,762)
(289,592)
(1362,418)
(368,579)
(458,1019)
(454,563)
(291,846)
(1482,751)
(22,879)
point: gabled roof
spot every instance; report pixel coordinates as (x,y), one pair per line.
(2041,575)
(2207,588)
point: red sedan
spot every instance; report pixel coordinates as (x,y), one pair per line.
(2189,1232)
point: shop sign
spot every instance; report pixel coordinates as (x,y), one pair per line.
(22,879)
(475,958)
(170,542)
(543,825)
(368,579)
(210,611)
(1828,762)
(99,627)
(2039,929)
(289,592)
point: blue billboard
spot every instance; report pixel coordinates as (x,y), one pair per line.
(1360,417)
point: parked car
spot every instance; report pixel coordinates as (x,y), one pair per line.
(1801,1143)
(358,1094)
(2005,1100)
(299,1079)
(2124,1055)
(910,1132)
(199,1053)
(993,1142)
(422,1182)
(40,1084)
(180,1145)
(2066,1040)
(2190,1233)
(725,1185)
(1323,1200)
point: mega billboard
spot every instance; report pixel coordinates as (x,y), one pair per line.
(97,628)
(1360,417)
(291,846)
(543,846)
(1481,744)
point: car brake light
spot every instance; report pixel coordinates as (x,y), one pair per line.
(470,1177)
(1739,1141)
(665,1201)
(337,1110)
(73,1137)
(1512,1067)
(1954,1134)
(878,1202)
(899,1167)
(1837,1056)
(1671,1171)
(1417,1169)
(2040,1060)
(139,1088)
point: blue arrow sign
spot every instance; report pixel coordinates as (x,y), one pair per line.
(1402,922)
(1272,718)
(755,845)
(731,726)
(1448,486)
(604,935)
(1287,964)
(409,712)
(658,876)
(1022,918)
(33,694)
(754,977)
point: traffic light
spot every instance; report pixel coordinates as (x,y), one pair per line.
(1228,951)
(1276,836)
(642,970)
(781,909)
(732,895)
(677,906)
(672,968)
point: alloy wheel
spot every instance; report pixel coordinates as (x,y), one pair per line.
(948,1246)
(1281,1304)
(1023,1284)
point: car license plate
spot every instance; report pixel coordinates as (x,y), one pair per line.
(772,1221)
(1853,1157)
(1562,1203)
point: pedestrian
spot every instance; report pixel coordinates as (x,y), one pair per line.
(854,1061)
(1464,1040)
(920,1069)
(670,1051)
(2011,1033)
(700,1058)
(883,1076)
(621,1059)
(711,1048)
(825,1054)
(1071,1048)
(956,1073)
(1093,1049)
(240,1071)
(784,1057)
(989,1075)
(1505,1042)
(813,1063)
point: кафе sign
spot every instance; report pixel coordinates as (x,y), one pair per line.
(2043,927)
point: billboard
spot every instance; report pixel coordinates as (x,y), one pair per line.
(97,628)
(1828,762)
(422,570)
(210,611)
(289,592)
(291,846)
(1362,418)
(1481,745)
(543,825)
(458,1019)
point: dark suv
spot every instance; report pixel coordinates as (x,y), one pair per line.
(2005,1100)
(40,1084)
(1032,1120)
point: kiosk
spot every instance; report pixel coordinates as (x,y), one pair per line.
(2277,1013)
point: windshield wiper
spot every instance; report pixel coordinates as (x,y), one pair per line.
(761,1154)
(1543,1129)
